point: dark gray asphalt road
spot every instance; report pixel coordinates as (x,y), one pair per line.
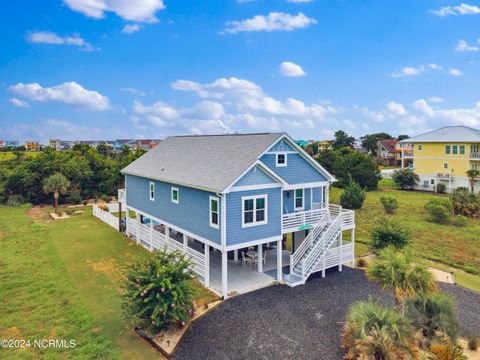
(304,322)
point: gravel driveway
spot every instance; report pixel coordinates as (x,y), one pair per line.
(304,322)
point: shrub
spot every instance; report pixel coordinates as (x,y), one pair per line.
(353,196)
(473,343)
(159,291)
(74,198)
(374,331)
(106,198)
(405,178)
(15,200)
(432,314)
(465,203)
(390,204)
(439,210)
(460,221)
(103,207)
(441,188)
(446,352)
(389,232)
(361,262)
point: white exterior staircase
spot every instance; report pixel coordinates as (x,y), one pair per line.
(311,255)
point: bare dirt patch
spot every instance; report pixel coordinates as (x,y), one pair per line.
(38,215)
(108,267)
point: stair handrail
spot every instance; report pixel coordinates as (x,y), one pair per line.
(326,239)
(308,241)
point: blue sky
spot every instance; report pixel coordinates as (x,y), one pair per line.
(93,69)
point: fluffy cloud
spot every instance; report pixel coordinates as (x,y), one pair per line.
(396,108)
(463,46)
(414,71)
(18,103)
(47,37)
(133,91)
(462,9)
(131,28)
(274,21)
(455,72)
(138,11)
(69,93)
(288,68)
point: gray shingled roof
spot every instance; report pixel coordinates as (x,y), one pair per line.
(447,134)
(209,162)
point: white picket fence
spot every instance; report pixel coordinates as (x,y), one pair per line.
(152,239)
(107,216)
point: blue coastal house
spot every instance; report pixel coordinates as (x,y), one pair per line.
(248,209)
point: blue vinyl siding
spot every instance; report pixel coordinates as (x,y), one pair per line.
(297,171)
(289,199)
(236,234)
(191,213)
(256,176)
(281,146)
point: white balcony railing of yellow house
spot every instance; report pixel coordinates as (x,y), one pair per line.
(475,155)
(408,154)
(445,176)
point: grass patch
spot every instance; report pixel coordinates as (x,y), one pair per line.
(8,155)
(457,247)
(63,278)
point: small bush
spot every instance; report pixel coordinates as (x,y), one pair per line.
(103,207)
(460,221)
(441,188)
(74,198)
(15,200)
(106,198)
(405,178)
(390,204)
(361,262)
(439,210)
(465,203)
(353,196)
(473,343)
(389,232)
(447,352)
(159,291)
(69,211)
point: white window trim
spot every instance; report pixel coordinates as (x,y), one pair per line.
(254,198)
(295,199)
(276,160)
(210,198)
(151,190)
(178,195)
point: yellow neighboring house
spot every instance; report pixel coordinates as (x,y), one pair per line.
(32,145)
(443,156)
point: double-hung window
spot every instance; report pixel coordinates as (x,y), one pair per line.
(447,149)
(461,149)
(454,149)
(254,210)
(214,211)
(175,195)
(152,191)
(299,199)
(281,159)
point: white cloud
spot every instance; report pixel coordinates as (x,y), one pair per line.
(274,21)
(48,37)
(69,93)
(462,9)
(455,72)
(463,46)
(414,71)
(423,106)
(435,99)
(131,28)
(18,103)
(396,108)
(133,91)
(138,10)
(288,68)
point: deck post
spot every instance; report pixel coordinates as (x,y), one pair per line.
(353,247)
(235,255)
(185,243)
(260,258)
(279,260)
(151,234)
(137,216)
(340,238)
(207,265)
(224,274)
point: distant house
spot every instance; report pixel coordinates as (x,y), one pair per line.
(387,151)
(32,145)
(54,144)
(65,145)
(225,200)
(12,143)
(147,144)
(2,144)
(120,143)
(302,143)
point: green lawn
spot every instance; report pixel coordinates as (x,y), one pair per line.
(455,247)
(61,280)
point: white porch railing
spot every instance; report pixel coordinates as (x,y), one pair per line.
(348,216)
(291,222)
(152,239)
(106,216)
(336,256)
(122,197)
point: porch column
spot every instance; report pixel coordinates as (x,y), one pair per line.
(353,248)
(185,243)
(279,260)
(224,274)
(340,239)
(207,265)
(138,218)
(259,258)
(327,197)
(235,255)
(127,217)
(151,234)
(311,198)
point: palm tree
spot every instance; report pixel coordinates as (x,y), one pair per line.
(472,174)
(394,269)
(56,184)
(374,331)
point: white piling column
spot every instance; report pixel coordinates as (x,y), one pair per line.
(353,248)
(340,237)
(260,258)
(207,265)
(137,225)
(235,255)
(279,260)
(224,274)
(151,234)
(185,243)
